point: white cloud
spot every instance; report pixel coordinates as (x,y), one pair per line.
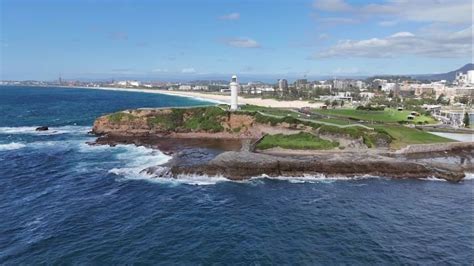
(159,70)
(444,11)
(337,20)
(332,5)
(402,34)
(323,36)
(388,23)
(448,44)
(188,70)
(242,43)
(231,16)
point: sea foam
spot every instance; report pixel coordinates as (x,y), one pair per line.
(51,131)
(11,146)
(135,159)
(469,176)
(317,178)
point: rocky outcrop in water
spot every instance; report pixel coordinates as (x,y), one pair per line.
(204,123)
(243,165)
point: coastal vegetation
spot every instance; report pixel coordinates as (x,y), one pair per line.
(403,136)
(120,116)
(330,125)
(193,119)
(300,141)
(388,115)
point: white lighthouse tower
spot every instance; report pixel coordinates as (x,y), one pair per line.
(234,90)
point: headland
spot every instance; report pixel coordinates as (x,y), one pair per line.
(256,141)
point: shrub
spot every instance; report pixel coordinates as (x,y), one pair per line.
(120,116)
(370,108)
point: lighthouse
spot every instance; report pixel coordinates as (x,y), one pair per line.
(234,90)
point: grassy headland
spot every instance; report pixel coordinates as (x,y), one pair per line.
(300,141)
(335,124)
(389,115)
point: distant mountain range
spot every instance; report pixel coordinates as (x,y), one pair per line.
(273,78)
(450,76)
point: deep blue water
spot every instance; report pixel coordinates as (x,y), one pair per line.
(62,201)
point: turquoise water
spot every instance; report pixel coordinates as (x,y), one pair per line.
(63,201)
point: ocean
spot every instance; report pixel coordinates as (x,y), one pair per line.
(63,201)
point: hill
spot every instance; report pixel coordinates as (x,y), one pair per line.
(450,76)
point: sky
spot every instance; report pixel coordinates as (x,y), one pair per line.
(258,39)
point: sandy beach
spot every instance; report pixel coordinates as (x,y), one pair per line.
(221,98)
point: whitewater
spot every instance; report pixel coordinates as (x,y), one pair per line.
(64,201)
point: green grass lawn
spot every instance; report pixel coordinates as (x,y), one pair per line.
(300,141)
(389,115)
(336,121)
(268,110)
(403,136)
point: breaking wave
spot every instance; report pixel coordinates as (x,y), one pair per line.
(50,131)
(318,178)
(11,146)
(198,180)
(469,176)
(135,159)
(432,178)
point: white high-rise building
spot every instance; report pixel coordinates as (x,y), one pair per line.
(234,90)
(283,85)
(470,76)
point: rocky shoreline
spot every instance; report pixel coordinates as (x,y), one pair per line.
(244,165)
(226,158)
(226,148)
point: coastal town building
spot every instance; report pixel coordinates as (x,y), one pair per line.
(301,83)
(201,88)
(184,87)
(128,83)
(464,78)
(283,86)
(367,95)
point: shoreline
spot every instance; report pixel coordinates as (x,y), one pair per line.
(220,158)
(212,98)
(219,99)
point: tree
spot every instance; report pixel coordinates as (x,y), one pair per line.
(440,99)
(466,120)
(327,102)
(390,94)
(334,104)
(463,99)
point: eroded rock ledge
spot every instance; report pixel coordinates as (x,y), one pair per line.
(175,126)
(244,165)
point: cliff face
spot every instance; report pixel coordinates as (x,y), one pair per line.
(216,123)
(205,122)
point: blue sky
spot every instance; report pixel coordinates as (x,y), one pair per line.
(212,38)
